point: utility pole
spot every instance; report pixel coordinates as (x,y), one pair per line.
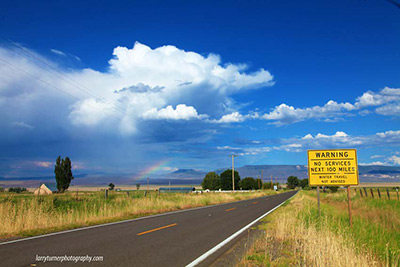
(233,172)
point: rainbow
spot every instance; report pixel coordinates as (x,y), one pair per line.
(152,169)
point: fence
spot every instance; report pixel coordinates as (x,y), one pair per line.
(381,193)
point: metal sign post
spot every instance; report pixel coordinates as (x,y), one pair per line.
(319,207)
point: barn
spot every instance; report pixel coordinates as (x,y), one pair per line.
(46,189)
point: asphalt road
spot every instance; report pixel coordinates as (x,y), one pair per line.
(171,239)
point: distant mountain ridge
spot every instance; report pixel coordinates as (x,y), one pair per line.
(368,174)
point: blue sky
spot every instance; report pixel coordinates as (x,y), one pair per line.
(121,86)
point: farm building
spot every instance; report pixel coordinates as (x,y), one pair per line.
(45,189)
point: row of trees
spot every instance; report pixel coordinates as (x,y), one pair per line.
(293,182)
(213,181)
(17,189)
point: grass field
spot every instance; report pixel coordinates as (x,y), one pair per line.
(26,214)
(296,235)
(383,185)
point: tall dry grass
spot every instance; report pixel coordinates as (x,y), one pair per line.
(296,236)
(27,215)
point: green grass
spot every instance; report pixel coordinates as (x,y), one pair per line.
(376,222)
(296,234)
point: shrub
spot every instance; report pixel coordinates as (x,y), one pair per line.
(17,189)
(211,181)
(111,186)
(248,183)
(303,183)
(333,189)
(292,182)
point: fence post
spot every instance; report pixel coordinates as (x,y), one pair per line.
(365,191)
(361,193)
(127,193)
(372,193)
(106,193)
(379,193)
(387,191)
(397,191)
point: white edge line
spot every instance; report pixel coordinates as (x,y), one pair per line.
(124,221)
(223,243)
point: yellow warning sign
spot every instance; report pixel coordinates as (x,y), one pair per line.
(332,167)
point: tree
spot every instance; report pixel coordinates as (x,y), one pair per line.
(17,189)
(226,180)
(211,181)
(63,173)
(111,186)
(1,189)
(137,186)
(303,183)
(248,183)
(292,182)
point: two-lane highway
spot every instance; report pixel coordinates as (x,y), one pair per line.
(171,239)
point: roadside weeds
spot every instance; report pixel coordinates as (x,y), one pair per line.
(295,235)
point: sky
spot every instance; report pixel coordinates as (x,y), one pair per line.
(127,87)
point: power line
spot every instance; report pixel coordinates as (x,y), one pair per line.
(51,85)
(77,84)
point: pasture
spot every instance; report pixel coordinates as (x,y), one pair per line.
(297,235)
(25,214)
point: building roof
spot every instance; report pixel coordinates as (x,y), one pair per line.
(51,186)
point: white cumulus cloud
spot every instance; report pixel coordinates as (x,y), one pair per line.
(387,102)
(141,83)
(182,112)
(395,160)
(232,117)
(285,114)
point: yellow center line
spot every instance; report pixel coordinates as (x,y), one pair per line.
(255,202)
(156,229)
(230,209)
